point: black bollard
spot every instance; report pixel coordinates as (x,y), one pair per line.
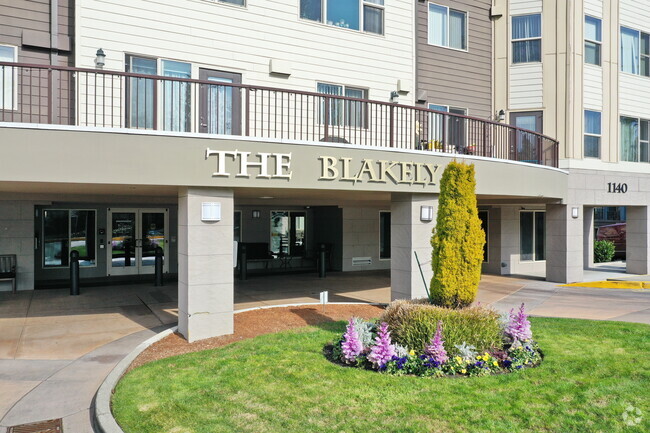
(321,261)
(74,273)
(158,266)
(243,271)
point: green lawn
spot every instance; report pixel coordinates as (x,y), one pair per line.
(282,383)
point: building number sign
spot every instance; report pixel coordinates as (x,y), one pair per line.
(616,188)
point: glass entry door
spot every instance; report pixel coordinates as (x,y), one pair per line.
(134,236)
(220,105)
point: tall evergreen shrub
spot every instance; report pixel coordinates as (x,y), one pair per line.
(457,239)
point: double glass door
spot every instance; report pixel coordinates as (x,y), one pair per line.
(134,235)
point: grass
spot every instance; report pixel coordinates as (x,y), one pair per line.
(281,383)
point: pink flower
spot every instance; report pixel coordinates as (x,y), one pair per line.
(383,350)
(351,346)
(519,326)
(436,350)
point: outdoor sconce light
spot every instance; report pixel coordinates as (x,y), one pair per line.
(426,213)
(394,96)
(256,214)
(210,211)
(100,60)
(575,212)
(501,116)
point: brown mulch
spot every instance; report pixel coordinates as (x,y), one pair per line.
(257,322)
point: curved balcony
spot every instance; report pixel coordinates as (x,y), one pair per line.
(96,98)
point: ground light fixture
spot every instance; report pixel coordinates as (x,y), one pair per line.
(426,213)
(100,59)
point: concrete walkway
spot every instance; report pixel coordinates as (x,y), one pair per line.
(55,350)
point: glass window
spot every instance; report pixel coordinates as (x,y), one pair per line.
(453,128)
(532,233)
(279,232)
(630,40)
(527,38)
(593,40)
(592,133)
(288,236)
(384,235)
(643,142)
(8,91)
(177,97)
(65,231)
(141,92)
(645,55)
(350,14)
(447,27)
(235,2)
(342,111)
(629,139)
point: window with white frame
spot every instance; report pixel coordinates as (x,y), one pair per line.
(635,139)
(532,234)
(343,112)
(593,40)
(592,133)
(8,88)
(365,15)
(527,38)
(447,27)
(447,130)
(635,52)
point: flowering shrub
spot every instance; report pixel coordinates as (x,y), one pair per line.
(515,351)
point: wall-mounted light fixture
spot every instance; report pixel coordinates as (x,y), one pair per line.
(575,212)
(257,214)
(501,116)
(210,211)
(426,213)
(100,59)
(394,96)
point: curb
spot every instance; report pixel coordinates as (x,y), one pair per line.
(612,284)
(103,417)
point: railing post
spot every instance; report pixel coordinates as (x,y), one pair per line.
(50,105)
(539,149)
(391,124)
(485,139)
(327,117)
(155,104)
(248,111)
(443,139)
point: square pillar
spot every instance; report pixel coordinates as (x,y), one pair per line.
(205,265)
(588,236)
(564,244)
(408,234)
(637,240)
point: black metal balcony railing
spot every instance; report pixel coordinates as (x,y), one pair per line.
(89,97)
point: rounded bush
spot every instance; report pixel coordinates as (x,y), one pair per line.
(604,251)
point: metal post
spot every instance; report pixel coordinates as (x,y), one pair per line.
(74,273)
(321,261)
(158,266)
(243,271)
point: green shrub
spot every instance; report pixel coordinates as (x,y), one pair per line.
(604,251)
(413,324)
(457,239)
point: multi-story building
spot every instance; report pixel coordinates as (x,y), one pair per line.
(286,127)
(578,71)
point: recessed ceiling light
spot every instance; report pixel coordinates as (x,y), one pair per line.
(266,197)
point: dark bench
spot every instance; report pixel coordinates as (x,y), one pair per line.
(258,252)
(8,269)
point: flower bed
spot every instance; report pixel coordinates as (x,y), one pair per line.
(369,345)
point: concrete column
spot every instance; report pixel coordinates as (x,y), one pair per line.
(205,265)
(564,244)
(588,237)
(637,240)
(409,235)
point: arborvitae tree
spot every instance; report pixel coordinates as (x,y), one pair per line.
(457,239)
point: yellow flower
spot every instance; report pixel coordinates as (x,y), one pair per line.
(486,356)
(495,363)
(412,352)
(458,359)
(463,371)
(479,357)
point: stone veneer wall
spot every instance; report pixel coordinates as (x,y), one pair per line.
(17,237)
(361,237)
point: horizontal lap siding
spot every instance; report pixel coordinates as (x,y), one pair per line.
(594,8)
(593,87)
(526,86)
(457,78)
(635,14)
(243,40)
(634,95)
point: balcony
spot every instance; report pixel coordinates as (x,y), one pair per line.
(108,99)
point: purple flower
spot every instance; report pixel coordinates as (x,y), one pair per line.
(436,350)
(351,345)
(519,327)
(383,350)
(507,363)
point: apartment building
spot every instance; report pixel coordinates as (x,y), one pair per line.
(283,127)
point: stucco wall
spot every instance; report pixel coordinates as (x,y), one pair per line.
(17,237)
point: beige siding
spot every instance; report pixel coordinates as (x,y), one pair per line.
(453,77)
(593,87)
(243,40)
(634,95)
(594,8)
(635,14)
(525,86)
(520,7)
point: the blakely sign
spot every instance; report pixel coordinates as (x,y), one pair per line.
(269,165)
(379,171)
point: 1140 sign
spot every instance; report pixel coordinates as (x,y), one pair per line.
(618,188)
